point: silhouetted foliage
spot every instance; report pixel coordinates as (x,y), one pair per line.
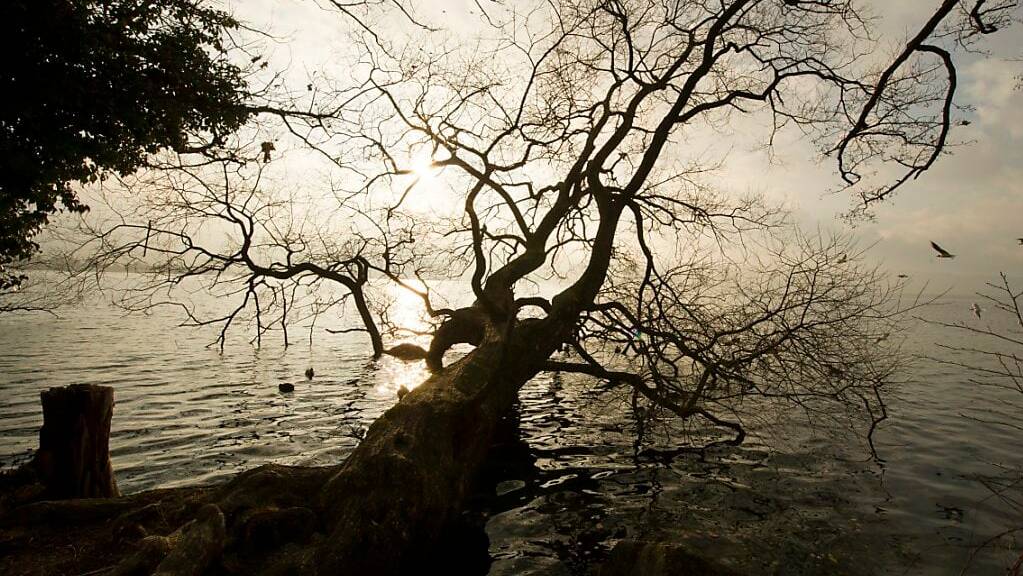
(93,86)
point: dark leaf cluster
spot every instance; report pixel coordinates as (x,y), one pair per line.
(94,86)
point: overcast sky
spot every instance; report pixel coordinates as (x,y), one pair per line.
(971,202)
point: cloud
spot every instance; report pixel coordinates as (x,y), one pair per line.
(991,86)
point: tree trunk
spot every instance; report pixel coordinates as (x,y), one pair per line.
(73,460)
(399,492)
(367,319)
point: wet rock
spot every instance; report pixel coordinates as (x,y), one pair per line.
(509,486)
(286,387)
(407,352)
(196,545)
(638,558)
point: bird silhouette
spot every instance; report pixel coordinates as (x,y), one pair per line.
(976,309)
(942,253)
(266,148)
(903,276)
(1020,240)
(309,373)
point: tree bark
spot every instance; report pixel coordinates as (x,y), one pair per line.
(391,502)
(73,460)
(367,319)
(405,484)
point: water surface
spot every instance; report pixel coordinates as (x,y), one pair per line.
(571,481)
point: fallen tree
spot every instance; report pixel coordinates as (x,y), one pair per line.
(559,145)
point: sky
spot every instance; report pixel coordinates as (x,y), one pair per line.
(970,202)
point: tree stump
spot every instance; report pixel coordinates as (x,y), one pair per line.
(73,460)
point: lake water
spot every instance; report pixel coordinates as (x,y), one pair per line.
(793,501)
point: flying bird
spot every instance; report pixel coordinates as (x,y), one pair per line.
(942,253)
(976,309)
(1020,240)
(903,276)
(309,373)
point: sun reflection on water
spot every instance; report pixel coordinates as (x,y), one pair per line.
(397,374)
(408,312)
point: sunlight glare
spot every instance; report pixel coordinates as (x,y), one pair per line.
(408,313)
(424,168)
(421,188)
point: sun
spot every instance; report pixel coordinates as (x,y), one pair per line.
(420,188)
(425,169)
